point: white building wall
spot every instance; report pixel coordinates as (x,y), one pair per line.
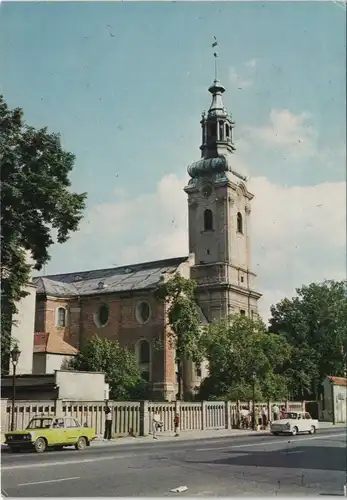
(23,331)
(80,386)
(56,362)
(340,400)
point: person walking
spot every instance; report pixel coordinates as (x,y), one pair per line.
(108,423)
(276,412)
(177,424)
(244,417)
(155,424)
(264,418)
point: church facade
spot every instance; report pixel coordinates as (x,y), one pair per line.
(120,304)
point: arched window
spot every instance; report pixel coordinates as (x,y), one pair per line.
(221,131)
(144,352)
(144,359)
(239,223)
(61,317)
(208,220)
(212,132)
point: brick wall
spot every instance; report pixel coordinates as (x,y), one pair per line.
(122,325)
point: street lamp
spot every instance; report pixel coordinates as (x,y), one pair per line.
(15,353)
(254,377)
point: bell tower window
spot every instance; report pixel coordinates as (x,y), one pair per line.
(221,131)
(227,130)
(239,223)
(208,220)
(212,132)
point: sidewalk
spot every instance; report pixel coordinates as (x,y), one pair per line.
(183,436)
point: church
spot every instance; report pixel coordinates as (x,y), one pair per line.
(119,303)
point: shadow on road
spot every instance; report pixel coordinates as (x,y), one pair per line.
(326,458)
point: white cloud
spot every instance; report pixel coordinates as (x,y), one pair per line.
(298,233)
(287,130)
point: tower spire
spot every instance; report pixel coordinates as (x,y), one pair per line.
(215,55)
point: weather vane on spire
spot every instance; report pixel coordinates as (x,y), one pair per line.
(215,54)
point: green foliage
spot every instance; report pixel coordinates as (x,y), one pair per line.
(118,363)
(35,199)
(183,318)
(237,349)
(315,324)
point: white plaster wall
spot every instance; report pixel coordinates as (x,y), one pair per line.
(80,386)
(23,331)
(340,399)
(56,362)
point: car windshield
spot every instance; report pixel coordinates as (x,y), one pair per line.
(40,423)
(293,416)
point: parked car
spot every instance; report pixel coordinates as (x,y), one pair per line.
(50,432)
(294,423)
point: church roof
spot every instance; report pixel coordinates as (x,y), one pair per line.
(52,344)
(338,381)
(145,275)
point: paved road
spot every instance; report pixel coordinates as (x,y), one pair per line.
(238,466)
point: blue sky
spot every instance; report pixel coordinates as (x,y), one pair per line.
(127,101)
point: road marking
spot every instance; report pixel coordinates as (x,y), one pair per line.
(50,481)
(65,462)
(274,441)
(290,452)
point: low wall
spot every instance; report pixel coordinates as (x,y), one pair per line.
(136,417)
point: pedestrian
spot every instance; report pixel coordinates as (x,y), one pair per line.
(155,424)
(108,423)
(264,418)
(283,411)
(276,412)
(244,414)
(177,424)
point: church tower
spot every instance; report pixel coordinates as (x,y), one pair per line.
(219,208)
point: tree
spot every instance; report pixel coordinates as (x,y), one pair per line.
(35,199)
(118,363)
(184,332)
(315,324)
(238,347)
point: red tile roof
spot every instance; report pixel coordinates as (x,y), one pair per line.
(52,344)
(338,381)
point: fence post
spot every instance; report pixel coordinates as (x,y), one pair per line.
(144,418)
(203,415)
(227,415)
(58,408)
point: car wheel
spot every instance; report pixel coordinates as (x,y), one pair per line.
(40,445)
(295,431)
(313,429)
(81,444)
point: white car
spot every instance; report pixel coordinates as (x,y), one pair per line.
(293,423)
